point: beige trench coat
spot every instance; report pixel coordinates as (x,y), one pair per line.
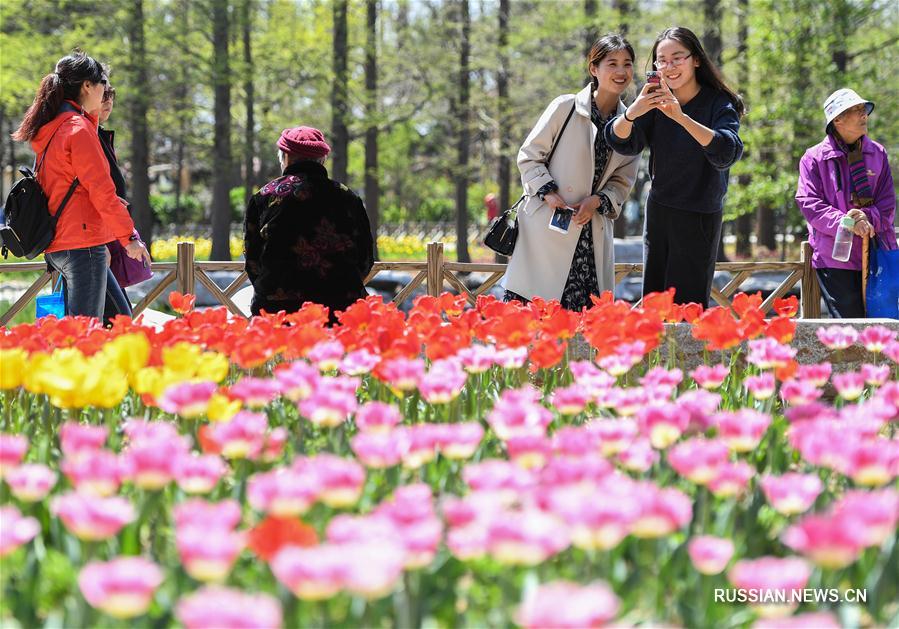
(542,257)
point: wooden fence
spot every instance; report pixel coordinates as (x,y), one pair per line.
(184,274)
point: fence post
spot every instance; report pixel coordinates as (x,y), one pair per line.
(809,289)
(186,278)
(435,268)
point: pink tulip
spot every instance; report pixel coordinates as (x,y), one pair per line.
(767,353)
(501,478)
(595,524)
(511,357)
(358,363)
(241,437)
(742,430)
(615,435)
(121,588)
(411,510)
(31,482)
(875,375)
(459,441)
(214,607)
(575,441)
(297,380)
(422,440)
(443,382)
(517,412)
(570,400)
(587,470)
(380,450)
(731,479)
(849,385)
(476,358)
(312,574)
(761,387)
(889,395)
(877,511)
(402,374)
(12,451)
(208,552)
(891,351)
(340,480)
(567,605)
(768,574)
(92,518)
(710,555)
(870,463)
(662,511)
(876,338)
(348,529)
(326,355)
(96,472)
(817,374)
(529,451)
(275,441)
(137,430)
(810,620)
(797,392)
(467,543)
(377,417)
(639,456)
(662,425)
(837,336)
(255,393)
(198,474)
(372,568)
(698,459)
(151,461)
(525,538)
(328,406)
(197,512)
(188,399)
(791,493)
(282,492)
(830,541)
(710,377)
(15,529)
(662,377)
(626,356)
(627,402)
(473,508)
(75,438)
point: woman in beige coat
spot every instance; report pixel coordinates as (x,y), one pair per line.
(583,174)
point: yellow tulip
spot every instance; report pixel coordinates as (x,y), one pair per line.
(129,352)
(221,408)
(12,367)
(212,366)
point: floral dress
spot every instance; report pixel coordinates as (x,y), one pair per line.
(582,281)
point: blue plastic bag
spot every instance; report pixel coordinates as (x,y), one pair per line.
(882,296)
(52,304)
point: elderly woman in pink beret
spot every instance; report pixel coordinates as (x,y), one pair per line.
(306,237)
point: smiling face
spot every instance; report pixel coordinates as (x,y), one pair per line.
(676,63)
(852,123)
(614,72)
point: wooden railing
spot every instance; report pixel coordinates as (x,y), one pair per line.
(435,273)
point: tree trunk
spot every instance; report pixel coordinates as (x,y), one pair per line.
(504,126)
(626,13)
(462,120)
(340,137)
(181,91)
(590,20)
(743,224)
(249,174)
(372,185)
(221,152)
(711,10)
(141,211)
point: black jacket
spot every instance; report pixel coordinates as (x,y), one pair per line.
(107,141)
(306,238)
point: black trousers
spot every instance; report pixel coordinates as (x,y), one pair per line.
(842,292)
(680,249)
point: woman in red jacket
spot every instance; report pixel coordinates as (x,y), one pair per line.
(60,128)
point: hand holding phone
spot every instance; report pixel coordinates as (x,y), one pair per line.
(560,220)
(654,79)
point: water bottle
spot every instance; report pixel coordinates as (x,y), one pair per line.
(842,244)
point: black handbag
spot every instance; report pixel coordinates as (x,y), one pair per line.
(29,227)
(503,230)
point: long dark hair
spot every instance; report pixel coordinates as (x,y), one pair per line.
(707,73)
(64,83)
(606,45)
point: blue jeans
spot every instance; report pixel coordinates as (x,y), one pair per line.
(87,281)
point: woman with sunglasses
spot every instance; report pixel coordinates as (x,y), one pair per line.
(690,121)
(63,135)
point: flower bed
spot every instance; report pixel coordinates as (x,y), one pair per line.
(451,467)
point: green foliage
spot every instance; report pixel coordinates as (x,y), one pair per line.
(168,210)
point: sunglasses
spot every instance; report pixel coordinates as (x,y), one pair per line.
(108,94)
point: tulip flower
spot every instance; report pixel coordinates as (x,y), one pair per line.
(837,336)
(326,355)
(92,518)
(208,552)
(122,588)
(75,438)
(639,456)
(525,538)
(282,492)
(443,382)
(329,405)
(459,441)
(402,374)
(791,493)
(849,385)
(511,357)
(797,392)
(710,377)
(570,400)
(761,387)
(817,374)
(255,393)
(876,338)
(312,574)
(877,513)
(710,555)
(698,460)
(358,363)
(742,430)
(615,435)
(214,607)
(830,541)
(567,605)
(767,353)
(339,480)
(15,529)
(662,511)
(12,451)
(518,413)
(662,425)
(372,569)
(476,358)
(197,512)
(875,375)
(297,380)
(241,437)
(768,574)
(187,399)
(377,417)
(529,451)
(731,479)
(31,482)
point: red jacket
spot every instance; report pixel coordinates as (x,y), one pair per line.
(94,215)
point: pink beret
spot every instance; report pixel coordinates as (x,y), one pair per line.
(304,142)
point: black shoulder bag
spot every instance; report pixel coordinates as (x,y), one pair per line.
(503,230)
(29,227)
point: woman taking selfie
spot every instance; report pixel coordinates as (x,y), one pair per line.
(575,186)
(64,138)
(690,120)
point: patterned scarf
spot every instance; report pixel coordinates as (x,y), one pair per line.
(858,174)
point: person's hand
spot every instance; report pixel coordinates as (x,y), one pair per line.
(668,103)
(553,200)
(863,226)
(586,209)
(646,101)
(138,251)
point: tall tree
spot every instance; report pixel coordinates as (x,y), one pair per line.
(340,135)
(503,117)
(221,152)
(625,10)
(462,116)
(711,12)
(743,223)
(140,150)
(249,174)
(372,185)
(591,32)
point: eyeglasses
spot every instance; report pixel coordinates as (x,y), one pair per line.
(108,94)
(856,111)
(103,81)
(673,62)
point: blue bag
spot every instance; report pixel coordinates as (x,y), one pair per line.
(52,304)
(882,291)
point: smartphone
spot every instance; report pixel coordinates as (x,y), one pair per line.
(560,220)
(654,78)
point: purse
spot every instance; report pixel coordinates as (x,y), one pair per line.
(503,230)
(126,269)
(52,304)
(881,293)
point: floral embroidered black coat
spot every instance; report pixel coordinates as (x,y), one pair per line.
(306,238)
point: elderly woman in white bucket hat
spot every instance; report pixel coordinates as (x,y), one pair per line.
(846,174)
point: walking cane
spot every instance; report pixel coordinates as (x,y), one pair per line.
(865,271)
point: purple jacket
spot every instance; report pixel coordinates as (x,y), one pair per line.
(823,198)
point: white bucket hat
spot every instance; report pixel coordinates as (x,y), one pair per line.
(840,101)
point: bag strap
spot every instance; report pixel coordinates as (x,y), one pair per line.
(65,200)
(65,107)
(58,282)
(556,141)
